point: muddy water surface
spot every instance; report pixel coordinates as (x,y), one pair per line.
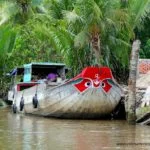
(21,132)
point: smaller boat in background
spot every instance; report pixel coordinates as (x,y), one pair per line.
(92,94)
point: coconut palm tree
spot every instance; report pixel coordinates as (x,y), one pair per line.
(97,20)
(91,21)
(17,10)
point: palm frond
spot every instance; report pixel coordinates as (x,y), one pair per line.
(8,9)
(71,16)
(137,10)
(7,39)
(81,39)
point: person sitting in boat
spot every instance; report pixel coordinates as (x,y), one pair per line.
(52,77)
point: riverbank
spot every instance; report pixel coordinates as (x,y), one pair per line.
(142,98)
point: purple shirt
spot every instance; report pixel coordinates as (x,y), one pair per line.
(52,76)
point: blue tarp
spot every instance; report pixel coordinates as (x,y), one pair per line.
(14,72)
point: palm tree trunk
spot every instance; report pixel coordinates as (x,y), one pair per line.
(131,112)
(95,43)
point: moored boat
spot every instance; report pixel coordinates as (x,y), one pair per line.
(91,94)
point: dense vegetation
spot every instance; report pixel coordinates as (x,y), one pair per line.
(76,32)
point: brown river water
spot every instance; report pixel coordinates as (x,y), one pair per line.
(22,132)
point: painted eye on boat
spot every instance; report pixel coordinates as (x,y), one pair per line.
(103,84)
(87,84)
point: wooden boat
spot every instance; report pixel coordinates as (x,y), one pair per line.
(91,94)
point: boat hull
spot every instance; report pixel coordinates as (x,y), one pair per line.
(64,101)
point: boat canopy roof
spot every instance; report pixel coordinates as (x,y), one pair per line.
(37,67)
(44,64)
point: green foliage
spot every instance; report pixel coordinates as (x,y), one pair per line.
(107,19)
(137,10)
(33,46)
(7,40)
(144,35)
(62,31)
(145,52)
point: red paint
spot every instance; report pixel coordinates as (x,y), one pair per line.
(26,85)
(83,85)
(97,72)
(96,77)
(106,86)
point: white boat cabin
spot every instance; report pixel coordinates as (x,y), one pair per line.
(34,73)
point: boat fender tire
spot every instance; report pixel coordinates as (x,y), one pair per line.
(35,101)
(21,104)
(14,108)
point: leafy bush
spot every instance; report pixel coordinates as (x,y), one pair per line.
(145,52)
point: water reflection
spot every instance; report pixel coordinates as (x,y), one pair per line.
(19,132)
